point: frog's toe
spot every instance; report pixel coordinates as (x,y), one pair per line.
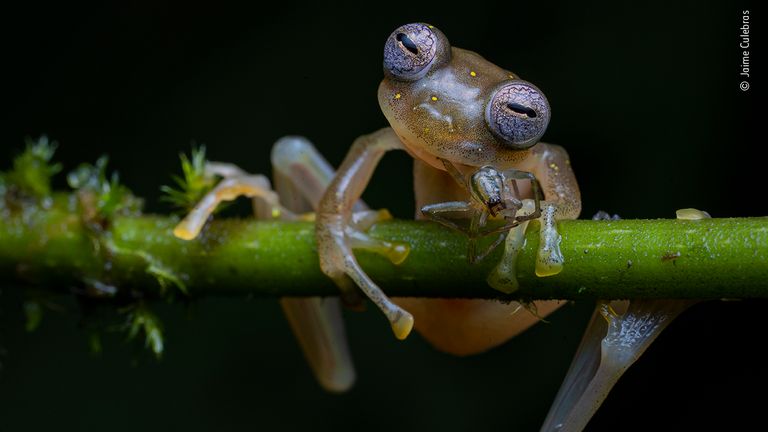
(402,325)
(230,188)
(549,259)
(359,239)
(504,276)
(396,252)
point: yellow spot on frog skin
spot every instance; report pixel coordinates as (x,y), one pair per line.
(434,98)
(511,76)
(472,73)
(397,96)
(554,167)
(431,26)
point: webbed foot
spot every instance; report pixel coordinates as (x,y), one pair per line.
(612,342)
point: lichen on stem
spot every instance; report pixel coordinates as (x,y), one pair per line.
(713,258)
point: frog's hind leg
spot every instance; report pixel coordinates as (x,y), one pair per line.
(612,343)
(301,176)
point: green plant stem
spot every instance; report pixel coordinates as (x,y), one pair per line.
(713,258)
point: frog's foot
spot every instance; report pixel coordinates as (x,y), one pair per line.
(504,275)
(357,233)
(612,342)
(349,275)
(549,258)
(235,183)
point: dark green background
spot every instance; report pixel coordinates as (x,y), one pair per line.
(646,99)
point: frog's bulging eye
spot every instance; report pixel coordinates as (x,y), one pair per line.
(518,113)
(413,49)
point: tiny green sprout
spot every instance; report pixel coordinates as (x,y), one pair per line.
(193,185)
(165,275)
(32,169)
(141,319)
(101,196)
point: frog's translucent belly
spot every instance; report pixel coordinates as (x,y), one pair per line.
(462,326)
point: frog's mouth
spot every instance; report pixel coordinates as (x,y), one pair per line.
(421,152)
(416,150)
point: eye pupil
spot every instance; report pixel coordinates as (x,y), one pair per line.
(521,109)
(407,43)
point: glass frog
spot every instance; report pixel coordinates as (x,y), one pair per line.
(457,114)
(473,130)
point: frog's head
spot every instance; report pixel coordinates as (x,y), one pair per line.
(453,104)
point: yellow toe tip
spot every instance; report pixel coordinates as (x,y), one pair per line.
(399,253)
(183,233)
(545,270)
(403,325)
(307,217)
(384,214)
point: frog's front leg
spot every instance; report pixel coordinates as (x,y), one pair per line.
(334,231)
(301,176)
(552,169)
